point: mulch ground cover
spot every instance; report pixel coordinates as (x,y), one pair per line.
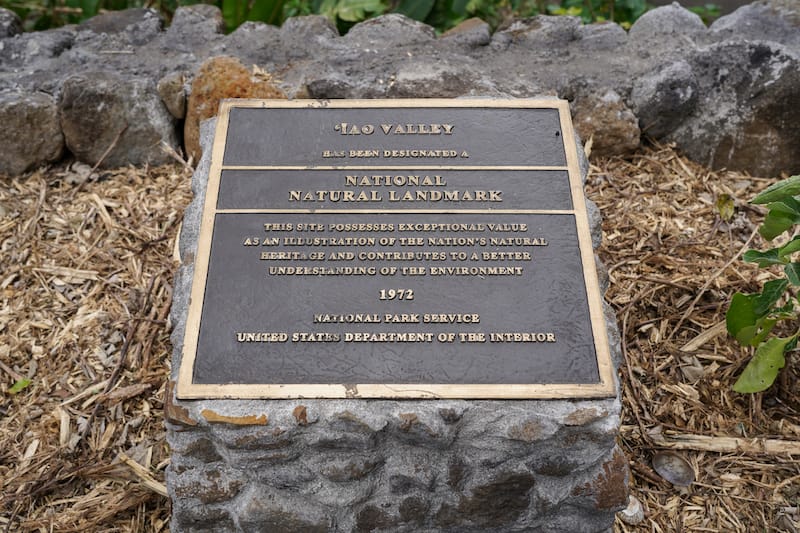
(86,267)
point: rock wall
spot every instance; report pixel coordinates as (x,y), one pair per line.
(356,465)
(112,91)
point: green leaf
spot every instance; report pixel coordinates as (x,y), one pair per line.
(764,259)
(792,271)
(415,9)
(763,329)
(459,7)
(763,368)
(725,207)
(328,9)
(781,216)
(233,12)
(790,247)
(19,386)
(356,10)
(772,292)
(741,317)
(268,11)
(778,191)
(89,8)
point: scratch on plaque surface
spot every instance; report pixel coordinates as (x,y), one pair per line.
(350,390)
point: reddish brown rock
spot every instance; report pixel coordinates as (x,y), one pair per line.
(218,78)
(609,489)
(176,414)
(300,414)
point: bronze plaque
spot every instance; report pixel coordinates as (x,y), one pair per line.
(395,249)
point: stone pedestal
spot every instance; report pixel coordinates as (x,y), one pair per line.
(383,465)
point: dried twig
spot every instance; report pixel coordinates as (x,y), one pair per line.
(142,473)
(756,446)
(129,336)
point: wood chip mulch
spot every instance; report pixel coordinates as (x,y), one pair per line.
(86,270)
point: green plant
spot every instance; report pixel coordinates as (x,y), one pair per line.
(751,318)
(236,12)
(624,12)
(708,12)
(345,13)
(441,14)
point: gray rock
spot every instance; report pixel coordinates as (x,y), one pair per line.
(253,43)
(207,485)
(658,70)
(670,22)
(471,33)
(331,85)
(306,36)
(663,98)
(431,79)
(10,23)
(205,518)
(663,35)
(601,36)
(265,509)
(28,49)
(498,503)
(172,92)
(542,31)
(30,131)
(115,122)
(194,27)
(595,223)
(202,18)
(747,115)
(388,31)
(777,21)
(138,25)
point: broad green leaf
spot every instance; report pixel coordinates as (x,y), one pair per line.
(763,330)
(328,9)
(781,216)
(779,191)
(356,10)
(19,386)
(741,317)
(268,11)
(784,312)
(790,247)
(764,259)
(415,9)
(88,7)
(763,368)
(459,7)
(793,273)
(233,12)
(772,292)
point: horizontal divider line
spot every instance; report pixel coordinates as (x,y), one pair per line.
(544,103)
(383,167)
(404,211)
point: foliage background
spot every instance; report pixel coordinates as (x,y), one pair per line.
(441,14)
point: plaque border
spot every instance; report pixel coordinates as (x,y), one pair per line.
(604,388)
